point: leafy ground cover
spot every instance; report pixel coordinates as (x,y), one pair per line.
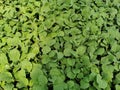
(59,44)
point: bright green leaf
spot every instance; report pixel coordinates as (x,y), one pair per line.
(14,55)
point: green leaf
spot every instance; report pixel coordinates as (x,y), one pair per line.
(45,59)
(115,47)
(6,76)
(14,55)
(35,49)
(99,3)
(46,49)
(3,59)
(37,75)
(94,29)
(67,51)
(70,84)
(45,8)
(105,61)
(92,76)
(30,55)
(80,75)
(70,74)
(8,87)
(60,55)
(100,21)
(92,88)
(51,42)
(107,68)
(91,50)
(118,55)
(60,33)
(52,53)
(61,86)
(71,62)
(118,18)
(83,84)
(39,87)
(36,71)
(100,51)
(7,28)
(98,78)
(13,41)
(42,80)
(101,83)
(94,69)
(108,76)
(21,78)
(117,87)
(58,80)
(24,48)
(81,50)
(85,60)
(37,3)
(52,65)
(117,78)
(86,12)
(76,71)
(55,71)
(26,65)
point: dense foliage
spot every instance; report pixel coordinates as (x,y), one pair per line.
(59,44)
